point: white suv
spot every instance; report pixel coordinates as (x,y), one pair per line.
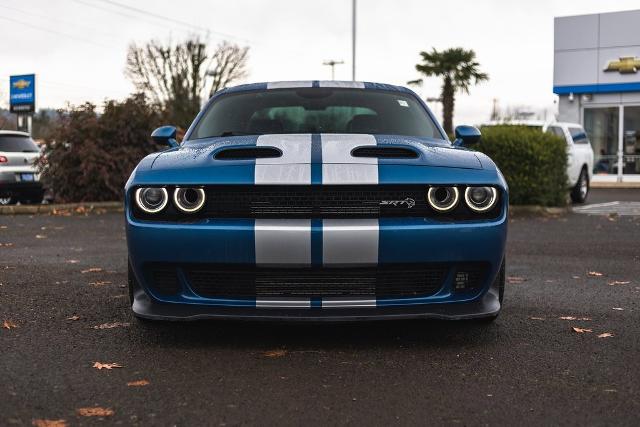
(579,152)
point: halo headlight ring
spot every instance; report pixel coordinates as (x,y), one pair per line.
(178,199)
(443,207)
(139,195)
(484,207)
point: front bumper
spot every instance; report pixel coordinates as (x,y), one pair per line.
(399,241)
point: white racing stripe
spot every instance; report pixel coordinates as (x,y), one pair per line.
(347,303)
(289,85)
(283,241)
(350,241)
(293,167)
(345,84)
(340,167)
(282,303)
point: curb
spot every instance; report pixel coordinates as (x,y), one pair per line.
(64,209)
(537,210)
(619,185)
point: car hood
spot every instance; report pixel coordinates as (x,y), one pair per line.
(313,149)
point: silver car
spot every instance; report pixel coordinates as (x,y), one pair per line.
(19,177)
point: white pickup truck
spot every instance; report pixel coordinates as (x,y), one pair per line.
(579,152)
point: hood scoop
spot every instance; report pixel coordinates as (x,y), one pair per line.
(248,153)
(381,152)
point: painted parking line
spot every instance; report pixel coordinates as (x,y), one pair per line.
(615,208)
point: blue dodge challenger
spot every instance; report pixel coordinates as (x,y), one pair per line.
(316,200)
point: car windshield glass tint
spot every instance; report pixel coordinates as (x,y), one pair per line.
(316,110)
(17,144)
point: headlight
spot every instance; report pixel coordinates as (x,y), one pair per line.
(443,199)
(480,199)
(151,199)
(188,199)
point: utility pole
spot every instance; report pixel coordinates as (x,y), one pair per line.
(332,63)
(353,40)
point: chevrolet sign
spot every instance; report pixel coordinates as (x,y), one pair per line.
(22,93)
(624,65)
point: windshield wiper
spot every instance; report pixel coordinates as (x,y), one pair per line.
(234,133)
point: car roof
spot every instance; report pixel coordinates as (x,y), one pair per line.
(314,83)
(13,133)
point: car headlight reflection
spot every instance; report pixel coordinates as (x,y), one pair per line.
(443,199)
(151,199)
(189,199)
(480,199)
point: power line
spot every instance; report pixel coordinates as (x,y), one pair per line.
(50,18)
(171,20)
(27,24)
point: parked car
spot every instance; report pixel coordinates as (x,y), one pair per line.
(19,177)
(316,201)
(579,153)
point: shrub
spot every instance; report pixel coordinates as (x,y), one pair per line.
(533,163)
(89,156)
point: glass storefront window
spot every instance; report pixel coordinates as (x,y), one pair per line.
(601,124)
(631,141)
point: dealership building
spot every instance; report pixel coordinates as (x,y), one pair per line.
(597,78)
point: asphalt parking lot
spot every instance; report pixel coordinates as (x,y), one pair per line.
(63,307)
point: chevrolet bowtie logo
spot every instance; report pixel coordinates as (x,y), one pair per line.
(625,65)
(21,84)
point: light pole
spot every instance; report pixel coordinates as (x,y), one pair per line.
(353,40)
(332,63)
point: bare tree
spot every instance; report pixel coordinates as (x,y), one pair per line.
(175,75)
(230,64)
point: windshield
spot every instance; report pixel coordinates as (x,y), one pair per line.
(316,110)
(17,144)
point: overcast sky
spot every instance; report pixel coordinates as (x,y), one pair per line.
(77,48)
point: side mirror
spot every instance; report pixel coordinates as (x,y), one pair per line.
(165,135)
(466,135)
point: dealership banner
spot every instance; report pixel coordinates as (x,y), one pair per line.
(22,93)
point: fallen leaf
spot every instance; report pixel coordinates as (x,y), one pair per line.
(49,423)
(605,335)
(40,236)
(618,282)
(109,366)
(515,279)
(91,270)
(576,277)
(3,227)
(275,353)
(581,330)
(618,308)
(139,383)
(112,325)
(574,318)
(8,324)
(536,318)
(96,411)
(73,318)
(594,274)
(6,245)
(72,261)
(100,283)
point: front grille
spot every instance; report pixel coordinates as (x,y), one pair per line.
(379,282)
(165,281)
(317,201)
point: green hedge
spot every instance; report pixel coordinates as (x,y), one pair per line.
(533,163)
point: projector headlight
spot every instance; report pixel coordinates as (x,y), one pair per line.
(151,199)
(189,199)
(480,199)
(443,199)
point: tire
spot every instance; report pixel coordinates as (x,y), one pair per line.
(580,191)
(4,201)
(501,280)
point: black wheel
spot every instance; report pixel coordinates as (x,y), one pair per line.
(500,282)
(4,201)
(580,191)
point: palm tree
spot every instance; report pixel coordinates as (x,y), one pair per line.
(458,69)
